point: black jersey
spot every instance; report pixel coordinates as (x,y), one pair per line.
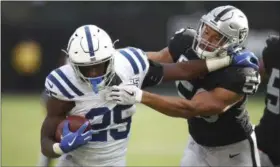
(268,130)
(217,130)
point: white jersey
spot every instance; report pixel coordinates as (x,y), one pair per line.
(110,121)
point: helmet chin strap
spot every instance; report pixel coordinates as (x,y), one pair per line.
(94,83)
(203,54)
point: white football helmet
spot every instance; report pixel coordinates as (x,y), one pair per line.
(229,23)
(88,48)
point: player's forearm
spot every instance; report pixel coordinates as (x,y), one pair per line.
(179,107)
(171,106)
(162,56)
(207,108)
(189,70)
(47,147)
(184,70)
(154,56)
(47,139)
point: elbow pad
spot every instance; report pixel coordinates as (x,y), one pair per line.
(154,75)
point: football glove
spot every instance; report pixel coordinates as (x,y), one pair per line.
(243,58)
(72,140)
(125,94)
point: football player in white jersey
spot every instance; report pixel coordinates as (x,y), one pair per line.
(79,88)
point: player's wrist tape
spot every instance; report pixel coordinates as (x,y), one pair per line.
(217,63)
(138,96)
(57,149)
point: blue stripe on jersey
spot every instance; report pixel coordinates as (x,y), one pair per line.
(131,61)
(89,41)
(59,86)
(143,64)
(66,80)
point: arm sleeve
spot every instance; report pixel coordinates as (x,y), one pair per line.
(154,75)
(44,96)
(181,42)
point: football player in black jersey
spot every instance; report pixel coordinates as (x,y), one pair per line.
(268,130)
(220,130)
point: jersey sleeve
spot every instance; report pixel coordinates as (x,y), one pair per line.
(44,96)
(61,86)
(181,42)
(240,80)
(133,67)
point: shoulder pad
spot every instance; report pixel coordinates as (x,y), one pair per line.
(186,35)
(240,80)
(62,84)
(131,62)
(181,42)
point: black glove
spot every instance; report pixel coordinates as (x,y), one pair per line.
(273,45)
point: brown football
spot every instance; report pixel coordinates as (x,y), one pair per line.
(75,122)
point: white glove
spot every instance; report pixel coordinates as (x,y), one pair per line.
(124,94)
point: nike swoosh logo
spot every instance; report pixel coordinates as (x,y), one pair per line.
(51,85)
(233,155)
(130,93)
(71,143)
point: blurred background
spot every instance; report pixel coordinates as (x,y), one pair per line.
(33,34)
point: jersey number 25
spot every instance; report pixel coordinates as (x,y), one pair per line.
(102,125)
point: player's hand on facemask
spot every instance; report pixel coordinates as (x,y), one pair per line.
(125,94)
(73,140)
(244,58)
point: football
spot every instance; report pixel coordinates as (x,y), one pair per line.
(75,122)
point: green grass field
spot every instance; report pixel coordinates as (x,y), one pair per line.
(156,140)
